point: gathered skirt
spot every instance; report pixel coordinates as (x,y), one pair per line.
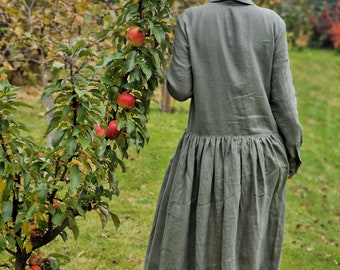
(221,205)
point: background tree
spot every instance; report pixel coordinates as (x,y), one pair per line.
(322,21)
(296,14)
(31,30)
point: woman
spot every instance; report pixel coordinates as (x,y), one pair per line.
(222,201)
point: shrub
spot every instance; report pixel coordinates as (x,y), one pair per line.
(322,22)
(334,33)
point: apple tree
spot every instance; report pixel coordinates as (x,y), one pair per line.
(101,107)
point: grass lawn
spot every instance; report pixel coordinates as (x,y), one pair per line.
(312,228)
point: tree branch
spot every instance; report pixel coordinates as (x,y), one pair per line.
(10,251)
(140,9)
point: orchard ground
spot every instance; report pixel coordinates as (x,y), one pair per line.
(312,225)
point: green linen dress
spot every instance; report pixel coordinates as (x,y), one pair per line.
(222,202)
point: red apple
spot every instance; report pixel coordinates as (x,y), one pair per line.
(35,267)
(35,260)
(100,130)
(40,155)
(112,131)
(135,36)
(126,100)
(34,233)
(55,205)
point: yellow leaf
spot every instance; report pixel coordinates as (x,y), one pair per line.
(7,65)
(79,19)
(46,21)
(26,227)
(93,167)
(2,186)
(3,76)
(28,246)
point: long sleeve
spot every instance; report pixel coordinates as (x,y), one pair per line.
(283,102)
(179,73)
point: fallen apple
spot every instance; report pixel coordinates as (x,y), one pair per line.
(126,100)
(135,36)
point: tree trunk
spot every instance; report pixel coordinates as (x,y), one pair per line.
(49,101)
(166,99)
(20,260)
(49,105)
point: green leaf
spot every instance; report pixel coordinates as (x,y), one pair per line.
(57,218)
(113,182)
(58,65)
(103,214)
(115,56)
(30,211)
(146,70)
(42,192)
(71,146)
(82,113)
(84,52)
(78,45)
(11,240)
(7,210)
(62,259)
(122,165)
(49,90)
(19,242)
(57,137)
(131,58)
(115,219)
(130,127)
(4,124)
(75,177)
(54,122)
(159,34)
(101,149)
(156,57)
(75,231)
(2,243)
(65,48)
(102,33)
(64,236)
(84,141)
(53,263)
(131,11)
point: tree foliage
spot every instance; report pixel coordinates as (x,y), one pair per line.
(323,20)
(44,190)
(31,30)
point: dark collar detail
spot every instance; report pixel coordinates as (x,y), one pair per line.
(249,2)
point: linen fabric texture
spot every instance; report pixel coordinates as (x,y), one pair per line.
(222,202)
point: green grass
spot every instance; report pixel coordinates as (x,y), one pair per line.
(312,228)
(312,235)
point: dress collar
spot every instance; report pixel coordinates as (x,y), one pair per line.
(249,2)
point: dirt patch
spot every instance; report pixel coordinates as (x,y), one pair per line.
(30,94)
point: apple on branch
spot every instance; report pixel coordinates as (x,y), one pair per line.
(35,260)
(126,100)
(100,131)
(55,205)
(35,267)
(112,132)
(135,36)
